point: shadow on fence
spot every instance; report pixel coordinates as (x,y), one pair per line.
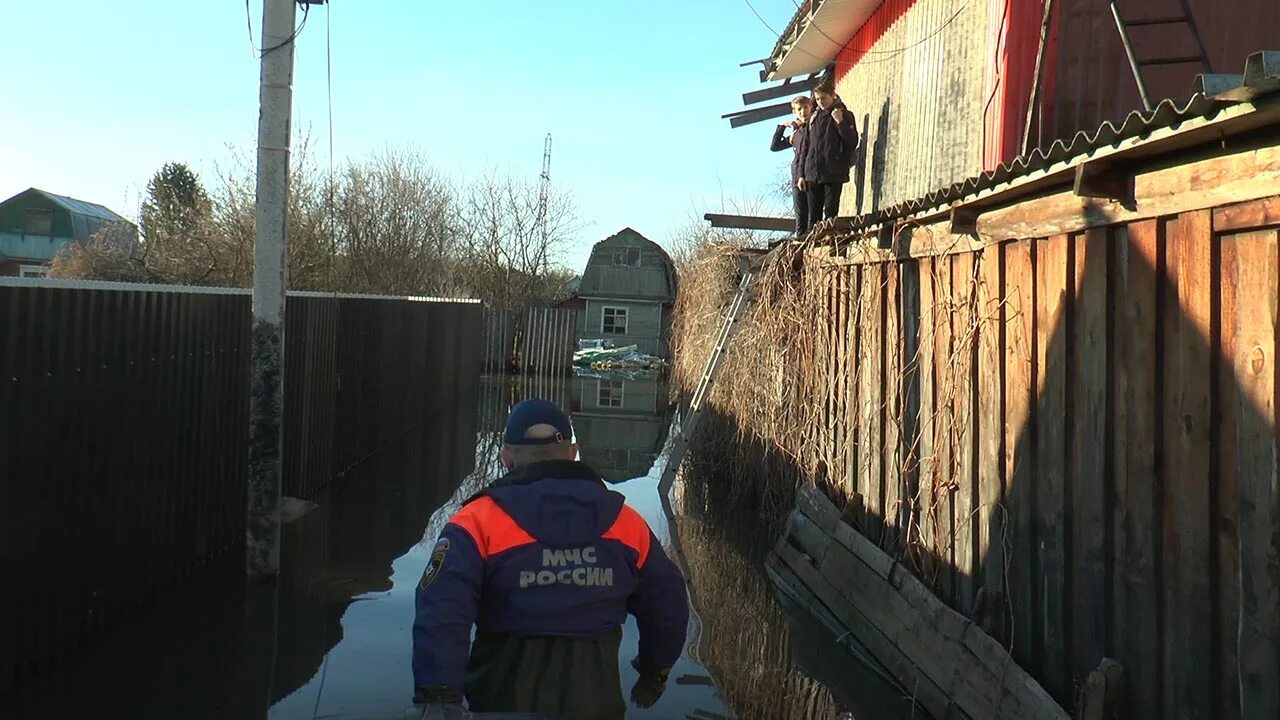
(125,416)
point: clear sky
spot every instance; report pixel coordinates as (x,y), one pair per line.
(100,94)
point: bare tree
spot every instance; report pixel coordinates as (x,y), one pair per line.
(397,226)
(111,254)
(514,240)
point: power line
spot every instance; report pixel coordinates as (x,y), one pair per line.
(761,18)
(248,21)
(891,54)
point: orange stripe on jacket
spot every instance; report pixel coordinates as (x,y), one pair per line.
(490,527)
(631,530)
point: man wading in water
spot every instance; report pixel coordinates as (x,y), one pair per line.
(546,563)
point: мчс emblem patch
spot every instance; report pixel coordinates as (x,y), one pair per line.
(434,564)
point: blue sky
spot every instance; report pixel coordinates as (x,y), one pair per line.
(101,94)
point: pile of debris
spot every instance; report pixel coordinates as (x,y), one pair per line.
(626,361)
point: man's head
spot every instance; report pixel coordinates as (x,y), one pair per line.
(802,106)
(825,94)
(537,430)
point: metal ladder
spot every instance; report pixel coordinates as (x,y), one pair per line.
(1186,18)
(689,420)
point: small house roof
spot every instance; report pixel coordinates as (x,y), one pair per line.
(652,278)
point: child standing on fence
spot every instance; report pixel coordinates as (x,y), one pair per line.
(802,107)
(831,138)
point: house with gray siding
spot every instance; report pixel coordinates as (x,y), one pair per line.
(35,225)
(628,289)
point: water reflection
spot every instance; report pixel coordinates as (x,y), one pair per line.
(332,639)
(621,425)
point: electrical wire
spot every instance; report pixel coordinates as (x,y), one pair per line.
(248,21)
(891,54)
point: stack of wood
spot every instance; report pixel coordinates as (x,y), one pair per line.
(947,662)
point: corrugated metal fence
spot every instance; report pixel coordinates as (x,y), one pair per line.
(540,341)
(124,429)
(547,340)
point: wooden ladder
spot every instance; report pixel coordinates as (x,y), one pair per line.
(688,421)
(1186,18)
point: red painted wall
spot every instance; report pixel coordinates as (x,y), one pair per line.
(862,46)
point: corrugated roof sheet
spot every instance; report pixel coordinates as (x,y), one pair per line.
(1261,77)
(81,207)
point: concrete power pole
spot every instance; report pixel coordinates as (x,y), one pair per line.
(270,256)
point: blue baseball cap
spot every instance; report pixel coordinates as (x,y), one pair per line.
(528,413)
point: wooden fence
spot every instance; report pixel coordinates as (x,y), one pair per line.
(124,431)
(1059,411)
(1082,425)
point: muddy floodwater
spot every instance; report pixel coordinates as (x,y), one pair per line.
(332,638)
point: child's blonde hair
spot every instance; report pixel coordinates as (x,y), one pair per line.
(801,100)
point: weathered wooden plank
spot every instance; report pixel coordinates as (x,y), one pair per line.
(854,373)
(1087,487)
(1051,343)
(1137,383)
(808,536)
(992,511)
(1020,441)
(910,313)
(928,693)
(1220,182)
(964,353)
(813,504)
(827,370)
(944,431)
(1259,499)
(1225,523)
(1251,215)
(893,500)
(873,399)
(750,222)
(924,630)
(1244,175)
(1186,448)
(839,471)
(928,468)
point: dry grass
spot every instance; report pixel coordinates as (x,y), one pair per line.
(764,395)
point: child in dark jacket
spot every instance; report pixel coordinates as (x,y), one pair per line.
(830,140)
(802,106)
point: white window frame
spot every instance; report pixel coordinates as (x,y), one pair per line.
(626,319)
(33,272)
(622,389)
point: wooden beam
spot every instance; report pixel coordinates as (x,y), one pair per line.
(1240,187)
(789,87)
(761,114)
(750,222)
(1104,180)
(1252,215)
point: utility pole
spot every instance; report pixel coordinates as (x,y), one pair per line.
(270,263)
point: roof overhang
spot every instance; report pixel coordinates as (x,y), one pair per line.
(817,33)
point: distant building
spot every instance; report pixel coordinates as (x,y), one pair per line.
(35,224)
(628,290)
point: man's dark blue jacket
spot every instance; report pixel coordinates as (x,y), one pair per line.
(546,554)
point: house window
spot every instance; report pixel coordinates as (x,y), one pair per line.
(33,271)
(627,256)
(614,321)
(37,222)
(609,393)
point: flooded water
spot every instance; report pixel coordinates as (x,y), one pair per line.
(332,638)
